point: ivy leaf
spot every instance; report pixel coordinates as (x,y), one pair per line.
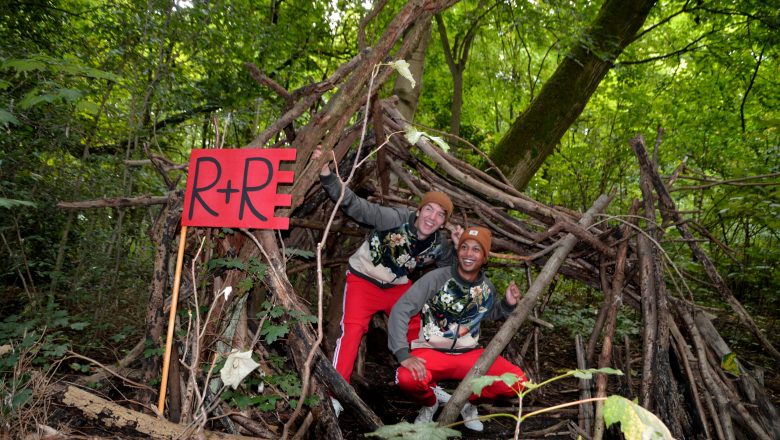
(274,332)
(402,67)
(636,423)
(406,430)
(729,363)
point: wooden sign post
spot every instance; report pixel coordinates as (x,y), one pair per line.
(233,188)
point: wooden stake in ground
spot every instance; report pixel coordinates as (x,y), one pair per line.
(172,319)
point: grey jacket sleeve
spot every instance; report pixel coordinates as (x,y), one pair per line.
(361,210)
(447,257)
(409,305)
(501,309)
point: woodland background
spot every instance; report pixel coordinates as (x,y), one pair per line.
(91,91)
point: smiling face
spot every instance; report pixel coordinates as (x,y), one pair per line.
(471,258)
(430,218)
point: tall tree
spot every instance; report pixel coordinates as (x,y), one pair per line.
(457,56)
(534,135)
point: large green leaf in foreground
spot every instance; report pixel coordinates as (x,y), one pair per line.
(636,422)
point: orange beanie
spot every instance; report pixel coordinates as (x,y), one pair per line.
(438,198)
(481,235)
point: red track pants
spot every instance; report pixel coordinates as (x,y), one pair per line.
(444,366)
(362,299)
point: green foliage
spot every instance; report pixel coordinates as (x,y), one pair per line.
(300,253)
(255,270)
(636,423)
(31,342)
(10,203)
(405,430)
(276,321)
(272,391)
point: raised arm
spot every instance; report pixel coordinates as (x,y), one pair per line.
(359,209)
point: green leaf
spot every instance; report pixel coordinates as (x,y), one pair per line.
(26,65)
(636,423)
(79,325)
(99,74)
(32,99)
(730,365)
(7,118)
(69,95)
(227,263)
(10,203)
(277,311)
(274,332)
(153,351)
(245,285)
(481,382)
(440,142)
(412,135)
(21,397)
(409,431)
(402,67)
(292,252)
(588,374)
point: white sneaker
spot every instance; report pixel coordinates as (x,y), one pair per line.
(441,395)
(471,418)
(337,408)
(426,414)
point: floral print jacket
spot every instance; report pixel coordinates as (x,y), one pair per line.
(447,303)
(392,250)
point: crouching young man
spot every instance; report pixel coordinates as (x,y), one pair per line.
(451,302)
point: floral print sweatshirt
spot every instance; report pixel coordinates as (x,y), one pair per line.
(392,250)
(447,303)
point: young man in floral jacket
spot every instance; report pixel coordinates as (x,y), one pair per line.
(402,241)
(451,302)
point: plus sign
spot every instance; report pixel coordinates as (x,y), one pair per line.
(228,191)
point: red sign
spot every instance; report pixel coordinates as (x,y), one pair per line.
(237,188)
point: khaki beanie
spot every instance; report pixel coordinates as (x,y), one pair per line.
(481,235)
(438,198)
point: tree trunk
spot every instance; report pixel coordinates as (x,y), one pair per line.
(121,419)
(409,96)
(155,321)
(535,133)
